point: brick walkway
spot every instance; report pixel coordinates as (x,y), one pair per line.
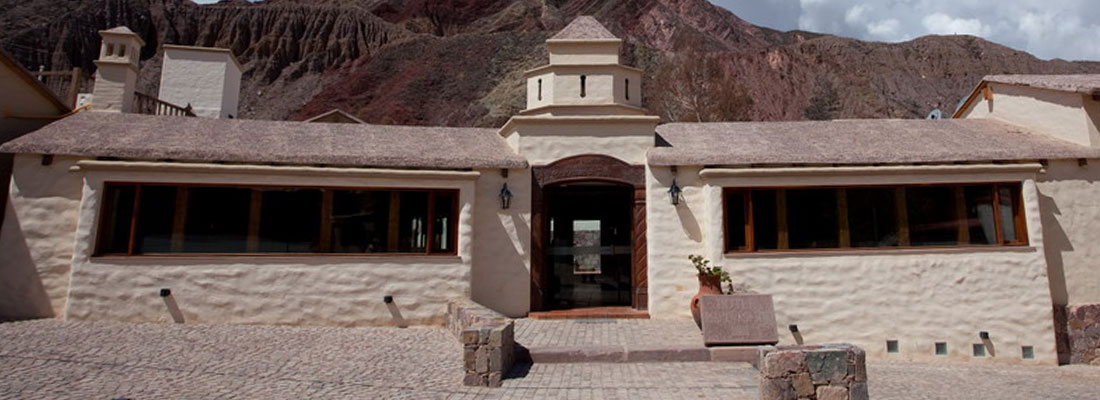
(53,359)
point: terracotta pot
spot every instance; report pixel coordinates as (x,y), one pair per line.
(708,284)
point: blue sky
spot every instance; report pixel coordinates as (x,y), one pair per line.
(1068,29)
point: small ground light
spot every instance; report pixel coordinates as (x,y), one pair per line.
(891,346)
(1028,352)
(979,350)
(941,348)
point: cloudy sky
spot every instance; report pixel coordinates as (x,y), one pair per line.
(1068,29)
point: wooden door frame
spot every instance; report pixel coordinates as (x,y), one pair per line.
(588,168)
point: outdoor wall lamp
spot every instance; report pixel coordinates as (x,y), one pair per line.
(387,299)
(983,335)
(505,194)
(793,328)
(674,190)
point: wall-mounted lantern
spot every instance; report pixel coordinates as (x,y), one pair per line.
(674,190)
(505,194)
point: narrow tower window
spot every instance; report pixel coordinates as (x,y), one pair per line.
(110,49)
(540,89)
(627,88)
(582,85)
(122,51)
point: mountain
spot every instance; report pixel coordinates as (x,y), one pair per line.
(460,62)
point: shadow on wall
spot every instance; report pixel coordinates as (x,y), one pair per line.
(504,286)
(22,294)
(1055,242)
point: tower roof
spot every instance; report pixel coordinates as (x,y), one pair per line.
(584,27)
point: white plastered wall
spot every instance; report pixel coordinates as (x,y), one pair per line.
(208,80)
(1069,194)
(502,250)
(37,237)
(321,290)
(544,141)
(1056,113)
(581,52)
(918,297)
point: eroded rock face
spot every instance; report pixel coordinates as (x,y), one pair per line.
(460,63)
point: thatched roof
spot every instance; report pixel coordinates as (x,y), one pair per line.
(875,141)
(145,137)
(1088,84)
(583,27)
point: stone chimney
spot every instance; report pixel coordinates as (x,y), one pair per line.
(116,70)
(207,78)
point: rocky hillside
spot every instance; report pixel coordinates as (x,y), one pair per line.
(459,62)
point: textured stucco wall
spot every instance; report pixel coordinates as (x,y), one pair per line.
(324,290)
(603,85)
(584,52)
(1055,113)
(36,242)
(201,79)
(501,276)
(533,99)
(1070,199)
(544,143)
(917,297)
(114,88)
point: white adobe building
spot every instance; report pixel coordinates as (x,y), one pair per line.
(913,232)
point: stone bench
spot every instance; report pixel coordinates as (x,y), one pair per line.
(488,342)
(825,372)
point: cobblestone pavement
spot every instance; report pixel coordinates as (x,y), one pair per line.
(605,332)
(55,359)
(100,360)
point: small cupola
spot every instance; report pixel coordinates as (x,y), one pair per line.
(120,46)
(584,76)
(116,70)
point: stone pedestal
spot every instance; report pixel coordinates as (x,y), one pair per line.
(826,372)
(738,319)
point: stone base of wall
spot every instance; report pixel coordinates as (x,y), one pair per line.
(825,372)
(1083,332)
(488,342)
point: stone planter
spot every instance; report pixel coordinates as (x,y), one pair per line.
(738,319)
(708,285)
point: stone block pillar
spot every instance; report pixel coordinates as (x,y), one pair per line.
(825,372)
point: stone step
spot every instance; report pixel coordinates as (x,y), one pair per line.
(630,354)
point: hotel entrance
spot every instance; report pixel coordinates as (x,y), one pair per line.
(588,239)
(588,246)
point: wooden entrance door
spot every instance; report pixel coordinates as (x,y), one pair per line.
(592,171)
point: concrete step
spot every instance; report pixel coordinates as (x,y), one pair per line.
(630,354)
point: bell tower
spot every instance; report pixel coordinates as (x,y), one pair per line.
(116,70)
(584,76)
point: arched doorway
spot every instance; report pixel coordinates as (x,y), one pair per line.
(588,234)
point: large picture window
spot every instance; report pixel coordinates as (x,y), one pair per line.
(170,219)
(791,219)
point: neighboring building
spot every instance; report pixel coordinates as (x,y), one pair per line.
(913,232)
(25,106)
(205,78)
(336,116)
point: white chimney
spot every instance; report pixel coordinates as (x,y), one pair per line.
(116,70)
(207,78)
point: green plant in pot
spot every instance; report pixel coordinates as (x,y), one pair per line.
(710,282)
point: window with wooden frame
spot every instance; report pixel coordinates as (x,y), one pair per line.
(870,217)
(140,219)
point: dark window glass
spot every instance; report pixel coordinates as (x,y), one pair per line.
(290,220)
(444,221)
(811,219)
(413,228)
(360,221)
(765,233)
(980,222)
(174,219)
(872,217)
(735,221)
(156,219)
(118,203)
(933,220)
(1007,197)
(217,220)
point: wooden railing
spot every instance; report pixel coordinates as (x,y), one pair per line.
(146,104)
(64,84)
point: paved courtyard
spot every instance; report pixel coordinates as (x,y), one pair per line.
(54,359)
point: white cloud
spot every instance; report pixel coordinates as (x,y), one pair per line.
(1067,29)
(943,24)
